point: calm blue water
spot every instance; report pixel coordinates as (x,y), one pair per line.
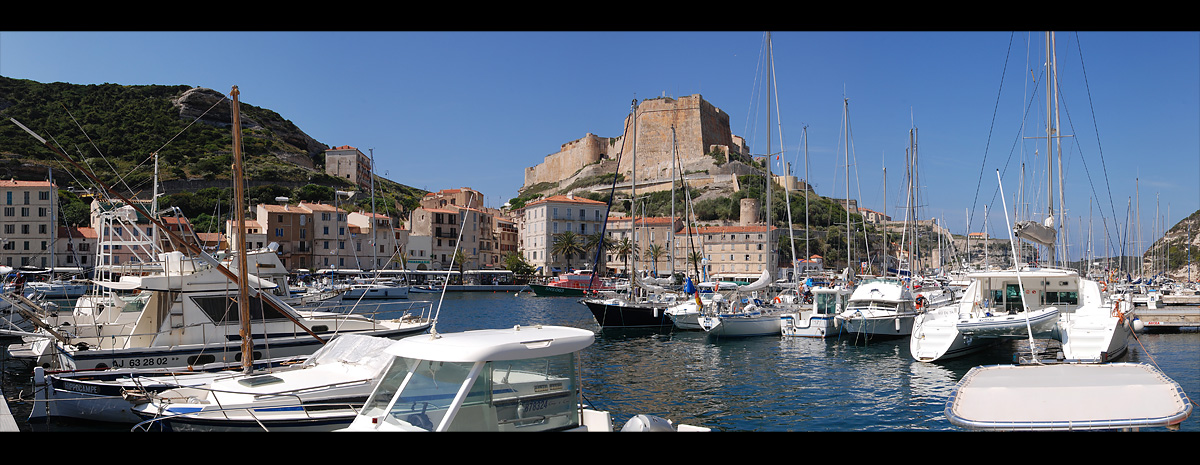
(775,383)
(768,383)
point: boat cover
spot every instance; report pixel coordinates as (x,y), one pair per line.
(354,349)
(763,281)
(1067,397)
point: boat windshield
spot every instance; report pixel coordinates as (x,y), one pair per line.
(827,303)
(519,395)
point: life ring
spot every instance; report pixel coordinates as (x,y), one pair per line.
(778,300)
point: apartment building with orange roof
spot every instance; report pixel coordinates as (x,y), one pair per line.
(733,253)
(290,226)
(644,234)
(75,247)
(376,242)
(351,164)
(27,222)
(544,219)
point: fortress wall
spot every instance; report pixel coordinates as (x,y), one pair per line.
(698,126)
(570,158)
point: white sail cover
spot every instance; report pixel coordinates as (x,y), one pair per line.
(763,281)
(647,286)
(1043,234)
(367,351)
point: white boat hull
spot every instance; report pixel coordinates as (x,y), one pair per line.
(935,337)
(809,324)
(1097,338)
(687,321)
(759,323)
(398,292)
(894,325)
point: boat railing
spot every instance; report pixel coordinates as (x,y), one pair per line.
(308,408)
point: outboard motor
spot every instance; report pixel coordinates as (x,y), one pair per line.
(647,423)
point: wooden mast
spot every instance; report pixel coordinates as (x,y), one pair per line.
(240,215)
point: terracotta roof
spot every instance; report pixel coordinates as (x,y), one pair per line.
(565,199)
(272,208)
(651,221)
(16,183)
(77,232)
(249,223)
(173,219)
(732,229)
(210,237)
(312,207)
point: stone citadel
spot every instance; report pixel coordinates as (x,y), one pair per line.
(688,127)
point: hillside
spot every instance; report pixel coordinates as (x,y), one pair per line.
(115,131)
(1170,253)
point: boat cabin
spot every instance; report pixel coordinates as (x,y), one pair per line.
(518,379)
(1000,292)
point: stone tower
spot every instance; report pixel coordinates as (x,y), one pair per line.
(749,212)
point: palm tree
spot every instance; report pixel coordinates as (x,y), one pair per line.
(654,252)
(598,240)
(695,258)
(567,244)
(624,249)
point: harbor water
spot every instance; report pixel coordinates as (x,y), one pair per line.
(768,383)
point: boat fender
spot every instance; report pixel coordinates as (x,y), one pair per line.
(647,423)
(1138,325)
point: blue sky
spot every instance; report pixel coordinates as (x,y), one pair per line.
(474,109)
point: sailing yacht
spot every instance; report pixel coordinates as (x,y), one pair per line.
(745,315)
(748,316)
(1030,301)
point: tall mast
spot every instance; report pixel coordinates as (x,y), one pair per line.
(807,254)
(633,278)
(239,205)
(374,223)
(671,237)
(770,85)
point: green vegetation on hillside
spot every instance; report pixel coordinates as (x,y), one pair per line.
(115,131)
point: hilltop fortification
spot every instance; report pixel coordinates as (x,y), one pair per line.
(689,127)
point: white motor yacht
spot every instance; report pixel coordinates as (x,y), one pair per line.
(819,320)
(879,307)
(524,378)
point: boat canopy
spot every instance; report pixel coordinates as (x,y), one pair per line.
(519,342)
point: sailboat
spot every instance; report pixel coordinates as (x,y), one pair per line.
(1030,301)
(817,318)
(630,311)
(748,316)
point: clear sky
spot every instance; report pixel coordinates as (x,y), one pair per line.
(442,110)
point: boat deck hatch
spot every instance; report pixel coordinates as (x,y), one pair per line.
(259,380)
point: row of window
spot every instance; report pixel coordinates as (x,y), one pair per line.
(25,211)
(11,228)
(12,245)
(42,195)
